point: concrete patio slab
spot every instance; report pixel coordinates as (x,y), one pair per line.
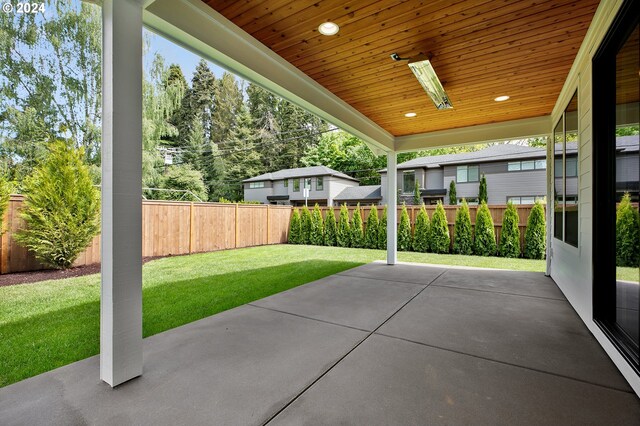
(537,333)
(238,367)
(362,303)
(387,381)
(402,272)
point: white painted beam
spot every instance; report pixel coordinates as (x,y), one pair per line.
(121,290)
(200,29)
(494,132)
(392,209)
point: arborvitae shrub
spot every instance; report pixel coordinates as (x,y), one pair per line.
(535,234)
(382,230)
(463,234)
(316,236)
(404,230)
(5,191)
(343,236)
(305,226)
(453,197)
(417,198)
(483,195)
(357,231)
(295,228)
(371,232)
(330,228)
(421,236)
(510,234)
(484,242)
(61,207)
(440,239)
(627,234)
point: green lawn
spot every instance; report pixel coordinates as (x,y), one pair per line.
(53,323)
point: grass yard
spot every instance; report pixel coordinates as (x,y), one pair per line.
(52,323)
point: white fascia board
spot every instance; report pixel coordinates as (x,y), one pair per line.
(199,28)
(494,132)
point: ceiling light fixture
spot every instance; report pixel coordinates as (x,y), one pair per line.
(501,98)
(426,75)
(410,114)
(329,28)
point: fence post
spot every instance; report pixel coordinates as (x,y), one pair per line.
(236,226)
(268,210)
(191,228)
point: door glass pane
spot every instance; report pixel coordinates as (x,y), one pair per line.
(627,164)
(558,187)
(572,145)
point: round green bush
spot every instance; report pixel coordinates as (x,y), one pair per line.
(371,232)
(510,233)
(343,237)
(463,233)
(484,242)
(305,226)
(382,230)
(535,234)
(421,234)
(330,228)
(357,231)
(627,234)
(295,230)
(316,235)
(404,230)
(440,239)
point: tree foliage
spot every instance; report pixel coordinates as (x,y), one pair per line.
(463,234)
(357,231)
(382,230)
(330,228)
(440,239)
(295,228)
(343,236)
(405,238)
(371,232)
(484,241)
(422,232)
(535,234)
(483,196)
(305,225)
(61,207)
(510,233)
(5,192)
(417,198)
(184,183)
(627,234)
(316,236)
(453,199)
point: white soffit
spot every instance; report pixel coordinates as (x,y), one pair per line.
(200,29)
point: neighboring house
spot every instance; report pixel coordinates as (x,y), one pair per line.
(286,187)
(364,195)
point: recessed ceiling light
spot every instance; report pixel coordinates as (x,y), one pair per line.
(501,98)
(329,28)
(410,114)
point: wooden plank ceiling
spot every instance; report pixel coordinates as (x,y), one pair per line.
(481,49)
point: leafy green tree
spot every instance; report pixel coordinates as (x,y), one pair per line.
(187,184)
(330,228)
(535,234)
(463,233)
(405,238)
(440,239)
(484,243)
(421,235)
(317,227)
(510,234)
(371,233)
(343,236)
(417,199)
(627,234)
(5,192)
(61,208)
(453,199)
(295,228)
(357,233)
(483,196)
(305,225)
(382,230)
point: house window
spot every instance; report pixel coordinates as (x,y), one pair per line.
(525,199)
(307,183)
(319,184)
(516,166)
(408,181)
(470,201)
(286,183)
(467,174)
(296,185)
(255,185)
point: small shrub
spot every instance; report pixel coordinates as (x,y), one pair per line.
(295,228)
(343,236)
(357,232)
(440,239)
(417,198)
(535,234)
(483,195)
(382,230)
(463,234)
(330,228)
(510,235)
(305,226)
(371,233)
(404,231)
(453,198)
(61,207)
(627,234)
(421,240)
(5,192)
(484,242)
(316,236)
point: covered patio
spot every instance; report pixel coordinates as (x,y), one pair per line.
(377,344)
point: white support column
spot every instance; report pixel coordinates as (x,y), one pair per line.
(550,194)
(392,209)
(121,291)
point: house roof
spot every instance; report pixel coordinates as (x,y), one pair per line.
(368,192)
(627,144)
(299,173)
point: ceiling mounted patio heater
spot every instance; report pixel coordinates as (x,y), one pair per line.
(426,75)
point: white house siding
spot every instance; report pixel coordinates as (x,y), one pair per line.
(279,188)
(258,194)
(336,185)
(435,179)
(627,168)
(571,267)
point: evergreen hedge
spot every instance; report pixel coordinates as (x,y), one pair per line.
(404,230)
(535,234)
(483,195)
(484,243)
(417,199)
(305,226)
(510,233)
(295,228)
(421,236)
(371,232)
(440,239)
(316,236)
(357,231)
(627,234)
(61,207)
(453,198)
(330,228)
(5,192)
(463,233)
(382,230)
(343,236)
